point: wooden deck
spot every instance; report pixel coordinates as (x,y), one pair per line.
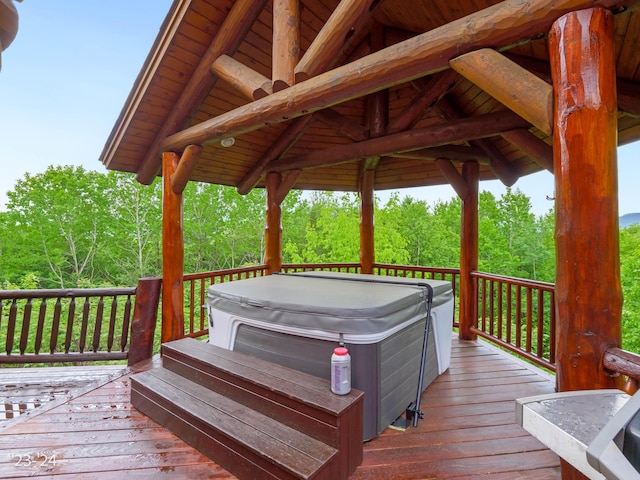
(468,432)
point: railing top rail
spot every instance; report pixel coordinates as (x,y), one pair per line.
(417,268)
(65,293)
(515,281)
(231,271)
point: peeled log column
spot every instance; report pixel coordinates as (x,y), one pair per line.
(367,242)
(469,252)
(172,254)
(588,293)
(273,228)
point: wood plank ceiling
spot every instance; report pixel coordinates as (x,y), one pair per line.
(445,114)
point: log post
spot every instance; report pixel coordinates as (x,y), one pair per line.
(367,243)
(172,254)
(588,292)
(469,252)
(143,325)
(273,226)
(286,42)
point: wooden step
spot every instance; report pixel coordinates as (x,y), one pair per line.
(260,393)
(244,441)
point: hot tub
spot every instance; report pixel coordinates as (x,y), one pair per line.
(296,320)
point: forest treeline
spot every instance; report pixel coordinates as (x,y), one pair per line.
(69,227)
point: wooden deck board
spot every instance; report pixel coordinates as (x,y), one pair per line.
(469,432)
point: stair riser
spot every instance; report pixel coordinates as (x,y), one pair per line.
(228,452)
(269,403)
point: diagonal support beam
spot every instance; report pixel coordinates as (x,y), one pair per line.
(453,176)
(532,146)
(187,163)
(509,83)
(436,88)
(231,33)
(342,125)
(277,149)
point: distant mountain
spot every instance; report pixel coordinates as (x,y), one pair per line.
(629,219)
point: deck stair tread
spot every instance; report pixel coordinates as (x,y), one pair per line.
(251,416)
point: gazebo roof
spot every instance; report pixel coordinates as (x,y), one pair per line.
(373,90)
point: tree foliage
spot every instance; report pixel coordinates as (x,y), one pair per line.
(69,227)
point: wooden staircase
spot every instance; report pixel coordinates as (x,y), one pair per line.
(255,418)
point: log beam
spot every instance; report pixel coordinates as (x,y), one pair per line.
(464,129)
(248,82)
(172,254)
(342,125)
(469,252)
(273,225)
(500,25)
(231,33)
(322,51)
(530,145)
(588,291)
(187,163)
(286,42)
(453,176)
(458,153)
(513,86)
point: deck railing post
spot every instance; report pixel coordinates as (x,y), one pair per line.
(145,314)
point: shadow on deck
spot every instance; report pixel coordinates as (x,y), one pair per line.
(469,432)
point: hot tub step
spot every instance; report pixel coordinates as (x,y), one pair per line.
(242,440)
(294,399)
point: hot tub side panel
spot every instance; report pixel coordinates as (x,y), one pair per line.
(387,371)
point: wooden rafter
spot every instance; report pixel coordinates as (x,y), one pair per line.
(457,153)
(233,30)
(422,55)
(322,51)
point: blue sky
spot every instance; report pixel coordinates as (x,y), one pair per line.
(67,74)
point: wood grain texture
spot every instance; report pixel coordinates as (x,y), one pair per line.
(582,60)
(460,437)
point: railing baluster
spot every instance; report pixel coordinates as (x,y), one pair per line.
(518,316)
(55,326)
(540,347)
(42,313)
(11,326)
(112,322)
(529,320)
(126,320)
(70,319)
(509,318)
(26,323)
(84,325)
(498,332)
(97,332)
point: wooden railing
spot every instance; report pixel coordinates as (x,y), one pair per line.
(195,292)
(518,315)
(77,325)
